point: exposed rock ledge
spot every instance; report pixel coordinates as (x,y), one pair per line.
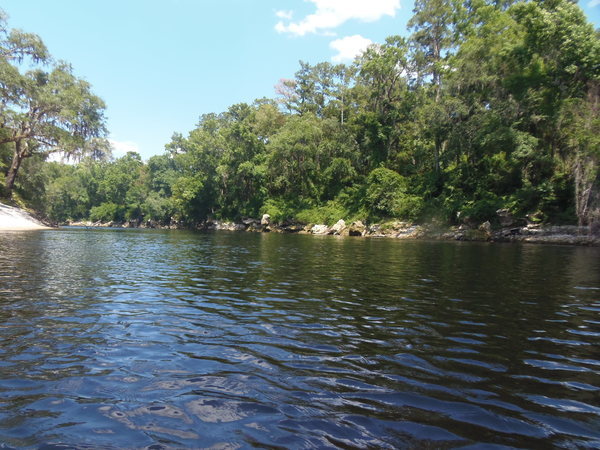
(568,235)
(16,219)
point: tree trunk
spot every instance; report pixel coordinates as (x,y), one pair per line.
(587,190)
(18,156)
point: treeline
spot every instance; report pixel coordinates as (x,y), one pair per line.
(487,106)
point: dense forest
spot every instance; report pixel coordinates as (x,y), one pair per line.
(488,105)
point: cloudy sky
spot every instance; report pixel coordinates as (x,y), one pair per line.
(160,64)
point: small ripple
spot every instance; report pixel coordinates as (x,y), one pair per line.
(565,405)
(553,365)
(465,341)
(584,333)
(559,341)
(562,425)
(474,362)
(414,362)
(460,412)
(575,385)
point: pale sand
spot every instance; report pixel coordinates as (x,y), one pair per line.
(15,219)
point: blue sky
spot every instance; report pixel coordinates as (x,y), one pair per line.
(160,64)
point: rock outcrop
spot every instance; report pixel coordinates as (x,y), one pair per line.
(357,228)
(320,229)
(484,232)
(338,228)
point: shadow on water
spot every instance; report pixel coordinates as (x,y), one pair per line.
(122,338)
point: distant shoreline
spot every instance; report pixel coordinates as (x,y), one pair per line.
(549,234)
(16,219)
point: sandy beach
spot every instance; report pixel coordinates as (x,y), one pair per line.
(15,219)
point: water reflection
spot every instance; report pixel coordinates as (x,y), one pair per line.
(155,338)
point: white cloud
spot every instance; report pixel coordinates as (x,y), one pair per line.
(349,47)
(120,148)
(287,15)
(593,3)
(331,14)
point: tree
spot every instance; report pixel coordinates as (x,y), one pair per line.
(385,98)
(386,194)
(435,35)
(196,158)
(43,112)
(311,159)
(320,90)
(53,112)
(16,45)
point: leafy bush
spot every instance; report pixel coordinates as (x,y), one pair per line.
(106,212)
(483,208)
(386,195)
(157,207)
(277,209)
(327,214)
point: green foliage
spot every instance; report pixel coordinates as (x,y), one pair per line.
(66,199)
(279,211)
(157,208)
(483,207)
(107,212)
(43,111)
(487,105)
(327,214)
(386,195)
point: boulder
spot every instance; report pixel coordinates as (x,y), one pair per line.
(486,227)
(248,221)
(411,232)
(505,218)
(474,235)
(320,229)
(294,228)
(338,227)
(357,228)
(374,230)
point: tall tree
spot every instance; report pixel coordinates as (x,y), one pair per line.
(383,92)
(435,35)
(43,112)
(52,112)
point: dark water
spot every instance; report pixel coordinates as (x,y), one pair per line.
(112,339)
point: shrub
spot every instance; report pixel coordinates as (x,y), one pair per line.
(386,195)
(106,212)
(327,214)
(277,209)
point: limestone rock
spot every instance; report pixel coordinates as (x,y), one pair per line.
(410,232)
(338,227)
(505,218)
(320,229)
(294,228)
(357,228)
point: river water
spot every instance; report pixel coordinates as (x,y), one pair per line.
(170,339)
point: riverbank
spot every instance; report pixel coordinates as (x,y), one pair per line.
(530,233)
(538,234)
(17,219)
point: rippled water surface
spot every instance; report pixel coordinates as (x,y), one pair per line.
(170,339)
